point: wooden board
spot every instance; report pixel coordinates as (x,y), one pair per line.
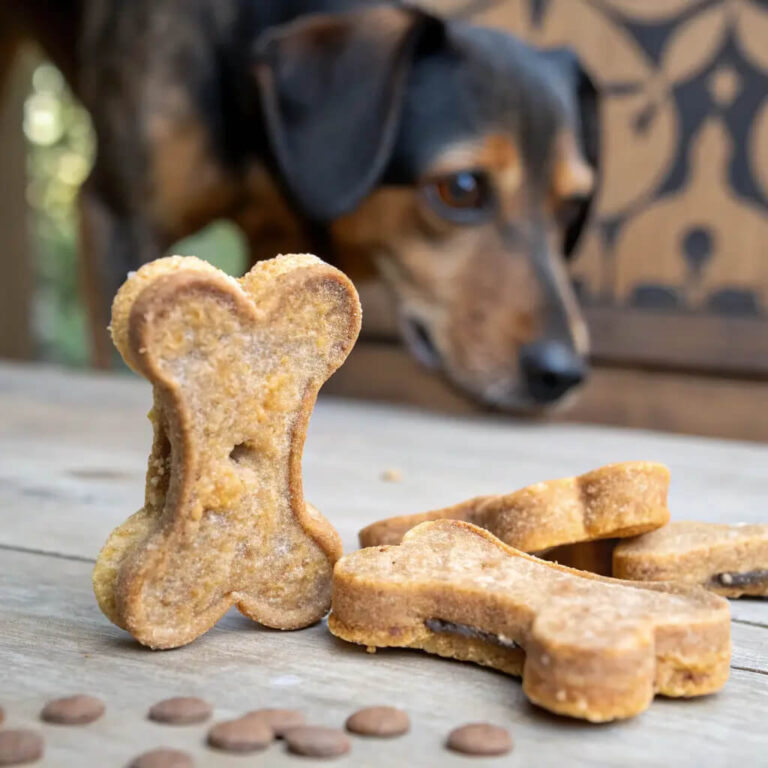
(664,400)
(72,454)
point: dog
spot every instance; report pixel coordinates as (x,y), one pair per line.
(455,161)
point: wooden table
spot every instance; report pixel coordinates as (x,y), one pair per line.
(72,455)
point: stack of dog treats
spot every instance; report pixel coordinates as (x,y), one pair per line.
(586,645)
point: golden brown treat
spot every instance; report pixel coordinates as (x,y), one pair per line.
(586,646)
(235,366)
(611,502)
(731,560)
(594,556)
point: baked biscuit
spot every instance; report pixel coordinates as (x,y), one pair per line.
(585,645)
(731,560)
(235,367)
(611,502)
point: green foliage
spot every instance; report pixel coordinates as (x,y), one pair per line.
(59,157)
(60,153)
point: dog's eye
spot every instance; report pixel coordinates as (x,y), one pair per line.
(461,196)
(462,190)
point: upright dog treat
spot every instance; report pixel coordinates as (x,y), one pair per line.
(731,560)
(614,501)
(585,645)
(235,366)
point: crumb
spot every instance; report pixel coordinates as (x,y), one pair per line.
(391,476)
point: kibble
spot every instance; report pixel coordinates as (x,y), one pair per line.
(480,739)
(73,710)
(379,721)
(246,734)
(18,747)
(181,710)
(316,741)
(162,758)
(278,720)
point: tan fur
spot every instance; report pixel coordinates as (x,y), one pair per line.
(480,296)
(188,186)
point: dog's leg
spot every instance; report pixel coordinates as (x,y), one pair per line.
(111,244)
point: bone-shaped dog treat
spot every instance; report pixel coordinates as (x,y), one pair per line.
(611,502)
(731,560)
(235,367)
(586,646)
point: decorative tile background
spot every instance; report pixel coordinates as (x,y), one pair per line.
(681,223)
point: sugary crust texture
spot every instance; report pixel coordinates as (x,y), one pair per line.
(614,501)
(235,367)
(589,647)
(697,553)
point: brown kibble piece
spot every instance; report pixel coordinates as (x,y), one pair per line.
(235,366)
(73,710)
(246,734)
(181,710)
(19,747)
(379,721)
(278,720)
(731,560)
(617,500)
(162,758)
(480,739)
(586,646)
(316,741)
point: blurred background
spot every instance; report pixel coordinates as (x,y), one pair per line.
(672,274)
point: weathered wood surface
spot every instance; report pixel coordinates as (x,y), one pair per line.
(72,453)
(710,406)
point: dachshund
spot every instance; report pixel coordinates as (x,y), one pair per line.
(454,161)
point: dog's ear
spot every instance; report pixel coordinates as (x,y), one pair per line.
(331,90)
(587,123)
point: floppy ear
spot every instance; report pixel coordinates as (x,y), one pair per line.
(587,122)
(587,103)
(331,90)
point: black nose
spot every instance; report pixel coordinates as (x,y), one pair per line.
(550,369)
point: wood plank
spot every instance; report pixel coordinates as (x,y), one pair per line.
(656,400)
(73,450)
(694,341)
(238,666)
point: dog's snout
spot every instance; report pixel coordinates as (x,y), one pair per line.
(550,369)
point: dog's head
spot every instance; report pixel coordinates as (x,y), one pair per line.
(461,161)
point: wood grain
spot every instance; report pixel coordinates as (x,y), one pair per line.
(238,667)
(662,400)
(695,342)
(72,454)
